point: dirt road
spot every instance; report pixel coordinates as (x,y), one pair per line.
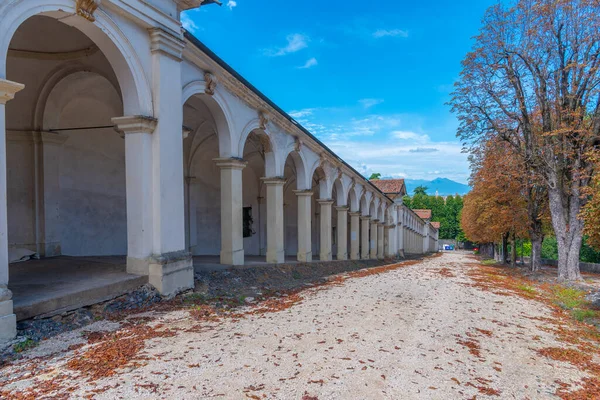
(429,330)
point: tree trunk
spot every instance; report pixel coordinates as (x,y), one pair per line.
(568,228)
(513,251)
(504,248)
(535,263)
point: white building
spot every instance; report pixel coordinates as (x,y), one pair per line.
(124,135)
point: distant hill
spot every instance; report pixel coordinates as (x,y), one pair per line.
(444,186)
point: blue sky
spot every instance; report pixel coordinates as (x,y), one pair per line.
(370,79)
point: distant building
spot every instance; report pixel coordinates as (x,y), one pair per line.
(392,188)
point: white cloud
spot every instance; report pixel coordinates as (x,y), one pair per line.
(380,33)
(311,62)
(295,42)
(231,4)
(368,103)
(301,113)
(188,24)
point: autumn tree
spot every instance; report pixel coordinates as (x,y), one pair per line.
(591,211)
(532,79)
(497,205)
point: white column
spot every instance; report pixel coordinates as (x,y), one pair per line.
(138,131)
(275,238)
(389,242)
(354,235)
(342,232)
(380,240)
(325,234)
(232,240)
(400,233)
(364,236)
(373,244)
(8,320)
(304,225)
(426,238)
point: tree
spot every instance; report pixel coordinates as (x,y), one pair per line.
(375,175)
(497,206)
(532,79)
(420,190)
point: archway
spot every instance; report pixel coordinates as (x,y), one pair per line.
(66,191)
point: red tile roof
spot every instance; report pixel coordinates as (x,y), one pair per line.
(436,225)
(390,186)
(423,214)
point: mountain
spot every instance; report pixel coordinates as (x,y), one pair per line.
(444,186)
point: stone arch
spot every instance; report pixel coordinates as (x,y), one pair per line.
(365,203)
(54,78)
(219,110)
(299,162)
(262,134)
(104,32)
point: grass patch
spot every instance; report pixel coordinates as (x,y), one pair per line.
(569,298)
(197,298)
(296,274)
(25,345)
(527,288)
(582,315)
(489,262)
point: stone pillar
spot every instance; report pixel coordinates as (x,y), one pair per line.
(304,225)
(374,243)
(426,238)
(364,236)
(325,234)
(232,231)
(342,232)
(8,320)
(275,236)
(380,240)
(354,235)
(389,242)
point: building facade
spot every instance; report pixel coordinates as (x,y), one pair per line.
(122,134)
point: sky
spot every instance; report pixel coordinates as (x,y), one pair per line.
(369,79)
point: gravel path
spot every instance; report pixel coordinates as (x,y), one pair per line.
(416,332)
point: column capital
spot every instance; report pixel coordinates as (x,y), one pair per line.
(166,43)
(354,213)
(8,90)
(375,221)
(303,193)
(275,180)
(325,201)
(380,223)
(230,163)
(342,208)
(365,217)
(389,226)
(134,124)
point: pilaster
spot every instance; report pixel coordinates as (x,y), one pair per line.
(380,241)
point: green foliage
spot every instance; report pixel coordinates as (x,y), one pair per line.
(527,289)
(447,212)
(376,175)
(582,315)
(489,262)
(569,298)
(586,253)
(420,190)
(550,248)
(24,345)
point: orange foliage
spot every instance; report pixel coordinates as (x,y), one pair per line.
(497,203)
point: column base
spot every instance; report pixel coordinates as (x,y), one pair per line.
(325,256)
(169,273)
(8,320)
(305,257)
(235,257)
(342,257)
(276,257)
